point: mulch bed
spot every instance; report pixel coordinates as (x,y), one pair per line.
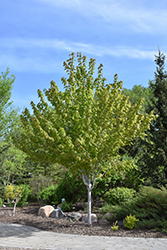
(29,216)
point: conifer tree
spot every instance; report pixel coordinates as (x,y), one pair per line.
(158,149)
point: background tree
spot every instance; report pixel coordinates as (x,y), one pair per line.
(55,171)
(9,123)
(88,124)
(13,164)
(139,92)
(138,148)
(5,95)
(157,152)
(38,183)
(13,193)
(151,152)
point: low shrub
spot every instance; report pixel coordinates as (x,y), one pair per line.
(1,202)
(130,221)
(26,191)
(71,188)
(49,195)
(149,206)
(66,206)
(120,194)
(115,227)
(2,189)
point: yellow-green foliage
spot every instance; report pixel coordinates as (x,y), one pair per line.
(12,192)
(88,124)
(115,227)
(130,221)
(1,202)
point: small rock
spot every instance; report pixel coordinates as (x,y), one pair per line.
(120,223)
(74,216)
(45,211)
(93,218)
(57,213)
(103,221)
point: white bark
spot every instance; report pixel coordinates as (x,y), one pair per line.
(14,208)
(87,181)
(89,207)
(89,200)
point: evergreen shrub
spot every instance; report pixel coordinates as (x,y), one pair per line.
(149,206)
(49,195)
(120,194)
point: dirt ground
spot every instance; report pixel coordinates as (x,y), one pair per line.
(29,216)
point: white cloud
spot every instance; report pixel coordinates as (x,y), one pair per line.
(139,17)
(36,45)
(41,55)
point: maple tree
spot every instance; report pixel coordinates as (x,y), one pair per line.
(83,126)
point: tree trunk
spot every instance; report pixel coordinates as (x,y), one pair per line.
(87,181)
(89,200)
(14,208)
(89,205)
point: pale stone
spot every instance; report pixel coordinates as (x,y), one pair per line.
(45,211)
(93,218)
(74,216)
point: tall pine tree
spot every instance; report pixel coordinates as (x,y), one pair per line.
(157,160)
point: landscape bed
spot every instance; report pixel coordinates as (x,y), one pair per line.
(28,215)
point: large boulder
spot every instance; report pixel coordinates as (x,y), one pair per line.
(45,211)
(74,216)
(93,218)
(57,213)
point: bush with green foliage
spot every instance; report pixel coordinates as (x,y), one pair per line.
(39,183)
(71,188)
(115,226)
(149,206)
(122,171)
(49,195)
(2,190)
(66,206)
(130,221)
(26,191)
(120,194)
(1,202)
(13,193)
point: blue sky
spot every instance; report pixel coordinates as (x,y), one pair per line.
(36,36)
